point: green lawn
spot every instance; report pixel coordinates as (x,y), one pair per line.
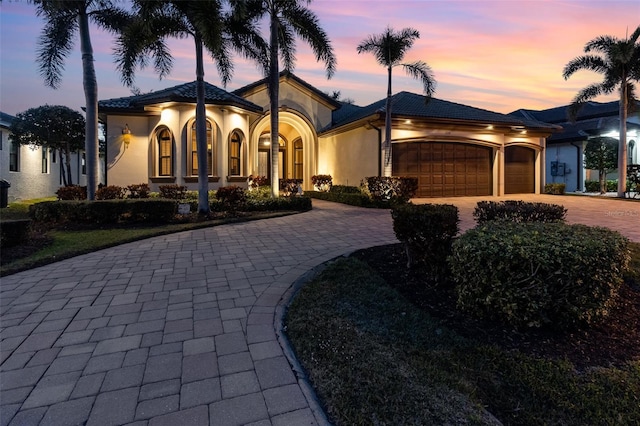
(374,358)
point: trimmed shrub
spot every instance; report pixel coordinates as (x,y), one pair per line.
(289,187)
(353,199)
(322,183)
(594,185)
(111,192)
(51,213)
(426,231)
(140,190)
(391,189)
(173,192)
(14,232)
(554,188)
(233,197)
(539,274)
(344,189)
(72,192)
(518,211)
(278,204)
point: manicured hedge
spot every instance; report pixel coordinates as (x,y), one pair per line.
(352,199)
(539,274)
(102,212)
(391,189)
(594,185)
(554,188)
(426,231)
(518,211)
(278,204)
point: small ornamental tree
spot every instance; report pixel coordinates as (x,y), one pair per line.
(55,127)
(601,154)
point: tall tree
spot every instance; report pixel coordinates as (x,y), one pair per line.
(55,127)
(618,60)
(601,154)
(288,19)
(212,27)
(64,19)
(389,49)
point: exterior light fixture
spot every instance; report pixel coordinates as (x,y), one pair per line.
(126,135)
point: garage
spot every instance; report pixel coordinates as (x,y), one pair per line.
(445,169)
(519,170)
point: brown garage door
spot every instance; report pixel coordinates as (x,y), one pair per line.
(444,169)
(519,170)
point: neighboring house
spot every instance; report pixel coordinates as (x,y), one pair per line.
(565,150)
(33,171)
(453,149)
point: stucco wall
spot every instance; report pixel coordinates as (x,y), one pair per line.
(29,182)
(572,158)
(350,156)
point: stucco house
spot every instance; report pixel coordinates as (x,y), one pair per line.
(565,149)
(33,171)
(453,149)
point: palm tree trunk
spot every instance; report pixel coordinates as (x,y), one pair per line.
(91,103)
(201,131)
(274,89)
(622,145)
(387,129)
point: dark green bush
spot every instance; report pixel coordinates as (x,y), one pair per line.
(426,231)
(14,232)
(111,192)
(391,189)
(72,192)
(322,183)
(554,188)
(278,204)
(354,199)
(52,213)
(594,185)
(173,192)
(518,211)
(344,189)
(140,190)
(539,274)
(233,197)
(254,182)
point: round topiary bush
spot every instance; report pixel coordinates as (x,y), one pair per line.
(538,274)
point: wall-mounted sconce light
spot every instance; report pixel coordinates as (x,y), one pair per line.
(126,135)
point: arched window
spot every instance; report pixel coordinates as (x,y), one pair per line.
(165,152)
(297,159)
(194,150)
(235,154)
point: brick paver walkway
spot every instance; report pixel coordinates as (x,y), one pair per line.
(183,329)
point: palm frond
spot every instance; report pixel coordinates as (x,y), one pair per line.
(56,42)
(421,71)
(586,62)
(583,97)
(306,25)
(287,45)
(600,44)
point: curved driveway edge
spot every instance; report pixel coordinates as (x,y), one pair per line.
(172,330)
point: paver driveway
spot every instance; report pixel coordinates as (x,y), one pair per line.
(179,329)
(173,330)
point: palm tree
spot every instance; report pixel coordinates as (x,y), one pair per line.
(389,49)
(63,20)
(288,19)
(619,62)
(211,27)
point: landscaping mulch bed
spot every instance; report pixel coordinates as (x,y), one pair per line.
(616,341)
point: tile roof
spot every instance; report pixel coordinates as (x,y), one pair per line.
(559,114)
(6,119)
(182,93)
(406,104)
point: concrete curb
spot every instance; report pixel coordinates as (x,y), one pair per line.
(285,344)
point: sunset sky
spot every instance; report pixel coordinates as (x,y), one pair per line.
(497,55)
